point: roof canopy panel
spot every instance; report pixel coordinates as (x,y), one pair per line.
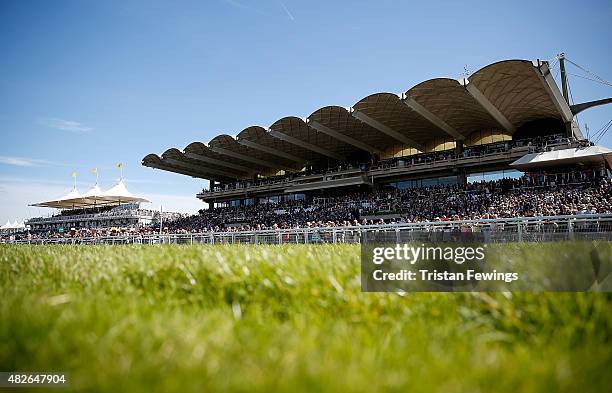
(210,156)
(177,158)
(585,155)
(388,109)
(229,146)
(515,89)
(156,162)
(260,139)
(309,138)
(449,100)
(339,119)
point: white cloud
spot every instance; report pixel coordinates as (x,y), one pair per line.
(23,161)
(16,196)
(67,125)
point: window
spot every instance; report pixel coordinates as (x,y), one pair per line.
(495,175)
(449,180)
(407,184)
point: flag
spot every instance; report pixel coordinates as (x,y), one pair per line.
(120,165)
(94,170)
(73,174)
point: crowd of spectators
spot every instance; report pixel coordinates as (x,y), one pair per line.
(503,198)
(81,233)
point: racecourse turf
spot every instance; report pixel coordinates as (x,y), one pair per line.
(288,319)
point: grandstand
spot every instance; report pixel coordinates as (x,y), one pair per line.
(94,210)
(508,119)
(500,148)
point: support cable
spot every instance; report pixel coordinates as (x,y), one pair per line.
(592,74)
(589,79)
(604,132)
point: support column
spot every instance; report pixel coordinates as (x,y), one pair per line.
(569,130)
(561,57)
(461,177)
(459,148)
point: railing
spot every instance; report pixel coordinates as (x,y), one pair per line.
(446,157)
(534,229)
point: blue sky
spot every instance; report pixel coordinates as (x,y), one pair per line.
(93,83)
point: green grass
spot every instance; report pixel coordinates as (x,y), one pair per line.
(284,318)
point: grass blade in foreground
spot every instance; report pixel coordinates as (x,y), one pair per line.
(291,318)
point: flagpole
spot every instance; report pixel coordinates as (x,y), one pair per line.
(161,219)
(95,170)
(120,166)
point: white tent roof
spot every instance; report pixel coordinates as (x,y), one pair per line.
(120,194)
(66,201)
(116,195)
(93,197)
(74,193)
(14,225)
(93,191)
(590,154)
(119,191)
